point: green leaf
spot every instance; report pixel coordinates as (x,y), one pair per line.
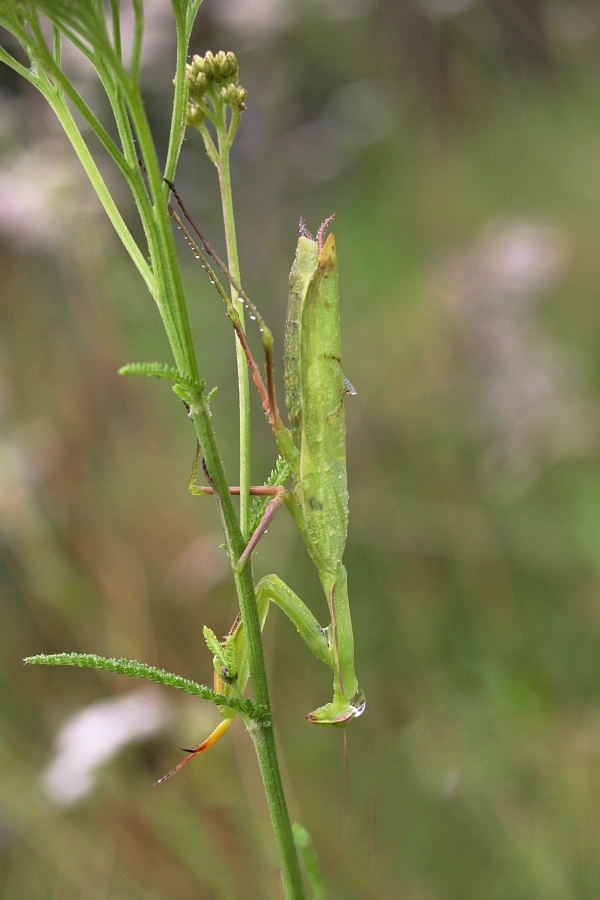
(81,18)
(309,857)
(225,659)
(141,670)
(214,645)
(277,478)
(191,387)
(231,656)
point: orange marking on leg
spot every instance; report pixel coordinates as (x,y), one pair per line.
(210,740)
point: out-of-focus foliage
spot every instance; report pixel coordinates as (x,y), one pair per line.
(459,144)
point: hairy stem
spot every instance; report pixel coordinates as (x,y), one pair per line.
(242,366)
(262,734)
(67,121)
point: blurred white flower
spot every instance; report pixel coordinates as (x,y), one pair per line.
(529,407)
(94,735)
(355,116)
(42,195)
(443,9)
(348,9)
(198,569)
(255,18)
(573,22)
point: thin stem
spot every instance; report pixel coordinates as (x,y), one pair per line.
(178,118)
(262,734)
(191,15)
(138,34)
(12,63)
(171,295)
(234,267)
(56,45)
(116,27)
(66,119)
(137,186)
(211,150)
(43,60)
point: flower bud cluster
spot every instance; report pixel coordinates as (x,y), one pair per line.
(219,72)
(234,95)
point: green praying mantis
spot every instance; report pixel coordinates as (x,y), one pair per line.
(313,451)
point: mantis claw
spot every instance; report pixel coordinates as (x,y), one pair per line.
(340,711)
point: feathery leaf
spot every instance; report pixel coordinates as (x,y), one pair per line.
(277,478)
(141,670)
(161,370)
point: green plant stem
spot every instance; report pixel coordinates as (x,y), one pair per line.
(165,263)
(242,366)
(178,118)
(67,121)
(263,736)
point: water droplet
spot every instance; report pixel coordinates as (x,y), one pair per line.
(253,317)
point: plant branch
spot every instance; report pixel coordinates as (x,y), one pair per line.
(224,170)
(65,117)
(183,27)
(137,669)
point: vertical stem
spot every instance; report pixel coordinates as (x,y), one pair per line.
(266,751)
(172,300)
(263,736)
(242,366)
(178,123)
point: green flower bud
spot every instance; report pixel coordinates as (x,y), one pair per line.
(198,63)
(195,115)
(234,95)
(197,87)
(222,70)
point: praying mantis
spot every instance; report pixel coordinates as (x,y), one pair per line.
(313,451)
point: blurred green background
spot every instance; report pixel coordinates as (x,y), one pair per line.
(459,143)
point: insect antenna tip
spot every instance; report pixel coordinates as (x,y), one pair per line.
(322,230)
(304,230)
